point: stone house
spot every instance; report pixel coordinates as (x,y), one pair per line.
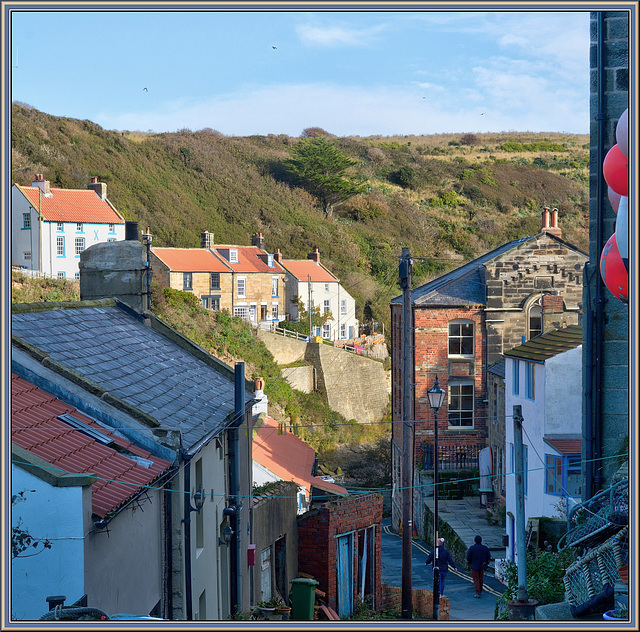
(244,280)
(465,320)
(51,226)
(310,283)
(496,428)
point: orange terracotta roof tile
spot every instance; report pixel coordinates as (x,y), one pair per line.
(72,205)
(35,427)
(566,446)
(288,457)
(250,259)
(190,260)
(302,269)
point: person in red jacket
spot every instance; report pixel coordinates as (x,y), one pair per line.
(443,561)
(478,557)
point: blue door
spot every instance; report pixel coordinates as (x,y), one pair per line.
(345,575)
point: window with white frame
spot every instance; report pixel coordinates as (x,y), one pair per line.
(79,245)
(27,255)
(60,227)
(461,400)
(233,256)
(530,380)
(326,288)
(26,221)
(214,281)
(60,246)
(79,227)
(76,276)
(274,311)
(241,287)
(326,330)
(343,306)
(187,281)
(274,286)
(326,307)
(343,331)
(460,338)
(242,311)
(535,321)
(515,376)
(112,228)
(253,313)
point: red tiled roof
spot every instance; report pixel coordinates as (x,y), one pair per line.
(566,446)
(250,259)
(189,260)
(288,457)
(72,205)
(304,268)
(35,427)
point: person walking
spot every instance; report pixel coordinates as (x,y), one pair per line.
(442,561)
(478,557)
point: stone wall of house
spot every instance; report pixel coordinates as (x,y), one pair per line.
(317,531)
(613,426)
(496,429)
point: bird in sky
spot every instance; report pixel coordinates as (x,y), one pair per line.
(145,90)
(274,47)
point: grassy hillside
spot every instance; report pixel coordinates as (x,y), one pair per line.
(447,197)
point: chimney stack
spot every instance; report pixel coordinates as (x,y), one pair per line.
(550,224)
(206,239)
(258,240)
(278,255)
(100,188)
(314,256)
(42,184)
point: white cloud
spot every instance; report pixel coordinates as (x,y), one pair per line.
(336,35)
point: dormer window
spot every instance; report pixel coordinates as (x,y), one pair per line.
(233,256)
(79,227)
(270,261)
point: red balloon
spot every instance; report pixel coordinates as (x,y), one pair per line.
(615,168)
(613,271)
(614,198)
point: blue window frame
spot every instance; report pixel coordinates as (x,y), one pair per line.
(530,380)
(79,227)
(563,475)
(60,227)
(515,364)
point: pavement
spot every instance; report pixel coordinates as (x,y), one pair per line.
(467,518)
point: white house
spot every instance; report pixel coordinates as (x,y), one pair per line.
(544,376)
(51,227)
(310,282)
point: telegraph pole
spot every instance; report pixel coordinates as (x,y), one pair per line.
(310,305)
(407,432)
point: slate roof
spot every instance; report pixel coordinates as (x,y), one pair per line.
(190,260)
(565,446)
(547,345)
(302,269)
(288,457)
(72,205)
(112,347)
(35,427)
(462,286)
(497,368)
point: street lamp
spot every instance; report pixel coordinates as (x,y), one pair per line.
(436,399)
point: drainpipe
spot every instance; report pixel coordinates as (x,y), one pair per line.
(588,385)
(187,537)
(168,570)
(600,299)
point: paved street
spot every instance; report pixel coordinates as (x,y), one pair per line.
(459,585)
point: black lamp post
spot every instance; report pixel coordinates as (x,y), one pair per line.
(436,399)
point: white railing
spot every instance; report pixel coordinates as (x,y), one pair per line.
(356,349)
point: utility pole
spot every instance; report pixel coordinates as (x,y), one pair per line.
(521,608)
(407,432)
(310,305)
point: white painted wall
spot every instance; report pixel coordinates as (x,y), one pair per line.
(56,513)
(563,388)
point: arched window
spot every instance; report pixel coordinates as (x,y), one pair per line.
(461,339)
(534,318)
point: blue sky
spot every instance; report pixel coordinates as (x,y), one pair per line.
(349,72)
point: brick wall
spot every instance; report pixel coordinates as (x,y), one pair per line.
(317,531)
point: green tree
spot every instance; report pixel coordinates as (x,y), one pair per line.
(318,166)
(302,324)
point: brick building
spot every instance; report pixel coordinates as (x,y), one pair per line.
(464,321)
(339,544)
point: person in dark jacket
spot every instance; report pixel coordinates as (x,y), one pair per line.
(478,557)
(443,561)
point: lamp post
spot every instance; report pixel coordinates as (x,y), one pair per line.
(436,398)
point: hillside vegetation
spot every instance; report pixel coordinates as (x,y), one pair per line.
(448,197)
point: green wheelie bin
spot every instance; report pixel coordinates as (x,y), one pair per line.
(303,598)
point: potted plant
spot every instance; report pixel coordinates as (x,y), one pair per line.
(621,613)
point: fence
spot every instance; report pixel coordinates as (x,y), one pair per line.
(450,457)
(356,349)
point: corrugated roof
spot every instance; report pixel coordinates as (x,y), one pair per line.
(250,259)
(547,345)
(565,446)
(138,364)
(190,260)
(302,269)
(35,427)
(288,457)
(72,205)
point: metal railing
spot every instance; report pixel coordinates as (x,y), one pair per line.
(337,344)
(450,457)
